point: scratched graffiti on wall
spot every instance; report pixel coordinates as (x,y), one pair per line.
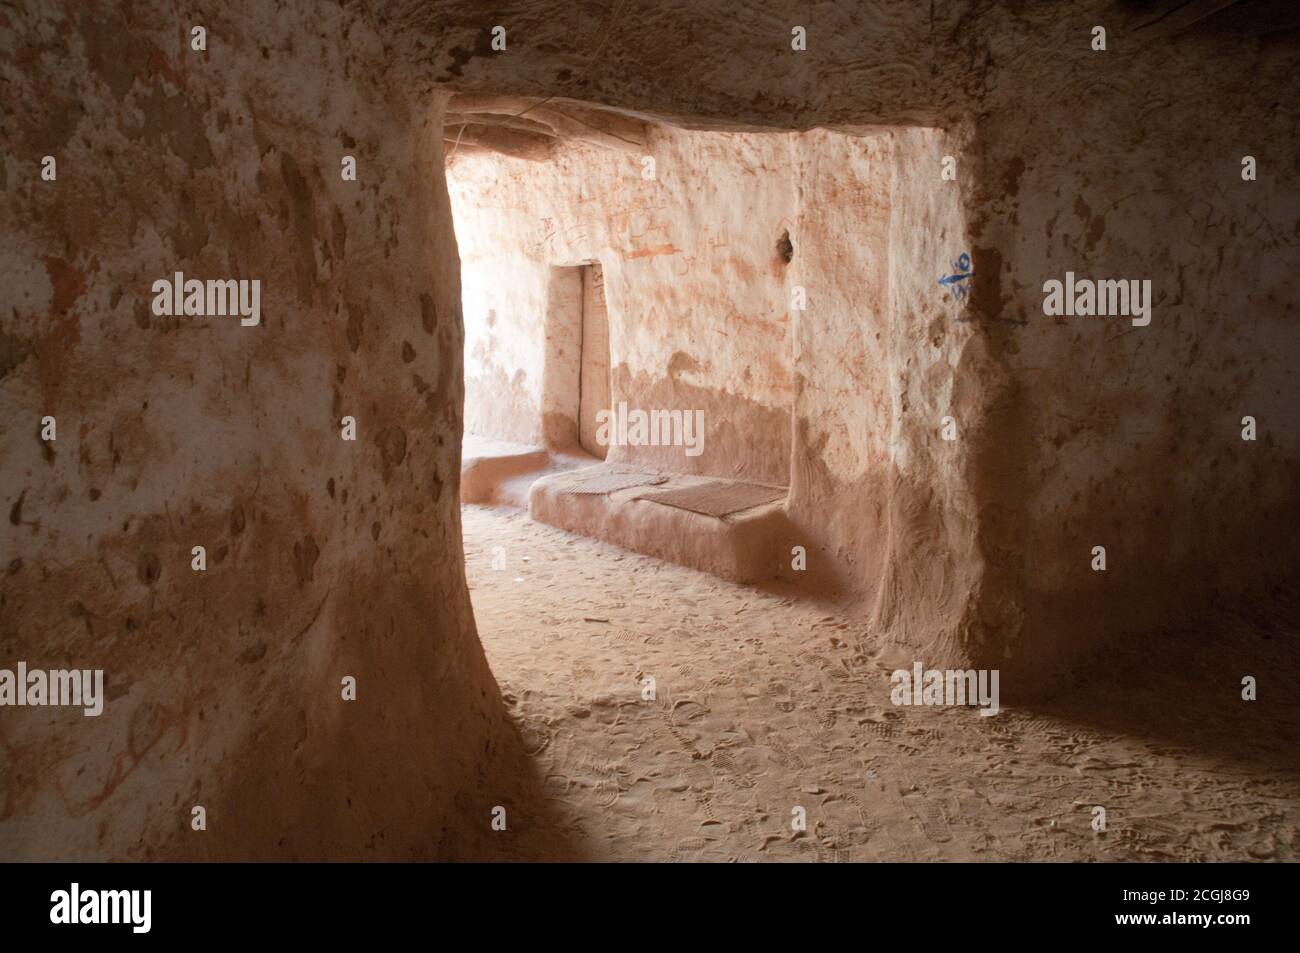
(957,281)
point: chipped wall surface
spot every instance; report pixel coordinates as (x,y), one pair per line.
(880,493)
(326,558)
(1130,437)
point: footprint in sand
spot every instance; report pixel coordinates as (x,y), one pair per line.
(726,764)
(687,744)
(606,792)
(806,850)
(999,727)
(685,711)
(698,776)
(933,822)
(782,756)
(869,824)
(709,811)
(880,729)
(689,848)
(555,786)
(534,735)
(840,673)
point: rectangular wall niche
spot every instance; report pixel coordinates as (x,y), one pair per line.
(593,376)
(575,370)
(575,360)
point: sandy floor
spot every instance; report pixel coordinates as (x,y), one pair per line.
(765,704)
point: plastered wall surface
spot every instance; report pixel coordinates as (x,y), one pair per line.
(325,558)
(1131,436)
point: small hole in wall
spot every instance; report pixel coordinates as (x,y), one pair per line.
(785,247)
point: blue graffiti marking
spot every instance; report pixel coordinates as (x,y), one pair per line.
(961,269)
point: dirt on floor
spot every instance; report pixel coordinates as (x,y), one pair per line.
(767,708)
